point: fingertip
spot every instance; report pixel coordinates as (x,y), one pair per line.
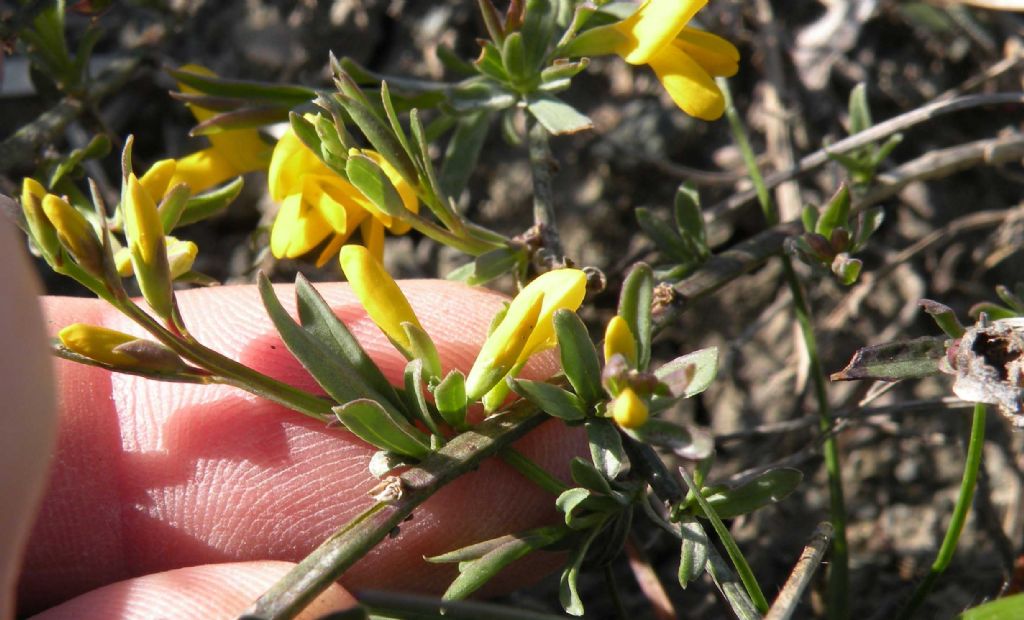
(199,592)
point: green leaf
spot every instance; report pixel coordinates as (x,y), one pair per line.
(767,488)
(944,317)
(374,183)
(450,398)
(1010,298)
(570,500)
(463,151)
(835,214)
(97,148)
(488,266)
(895,361)
(568,593)
(208,204)
(550,398)
(809,217)
(285,95)
(172,207)
(606,450)
(867,224)
(490,63)
(563,70)
(693,444)
(993,311)
(558,117)
(396,128)
(690,220)
(860,112)
(537,31)
(320,322)
(635,307)
(333,149)
(693,552)
(379,134)
(513,57)
(422,348)
(664,236)
(415,396)
(369,421)
(244,118)
(475,573)
(338,378)
(1007,608)
(588,477)
(846,269)
(579,356)
(690,374)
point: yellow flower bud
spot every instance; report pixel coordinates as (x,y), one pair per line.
(43,233)
(525,330)
(629,410)
(618,338)
(384,302)
(147,245)
(97,343)
(75,233)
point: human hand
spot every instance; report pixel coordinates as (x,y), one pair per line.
(150,477)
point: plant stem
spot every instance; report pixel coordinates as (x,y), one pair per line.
(533,472)
(401,605)
(838,576)
(543,202)
(975,448)
(742,567)
(330,560)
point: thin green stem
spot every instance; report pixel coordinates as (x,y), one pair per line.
(838,576)
(975,449)
(533,472)
(731,548)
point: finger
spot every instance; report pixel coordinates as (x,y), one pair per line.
(194,593)
(28,416)
(153,476)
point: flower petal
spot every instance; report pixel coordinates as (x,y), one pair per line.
(688,84)
(290,162)
(373,237)
(384,302)
(157,179)
(653,27)
(298,228)
(718,56)
(201,171)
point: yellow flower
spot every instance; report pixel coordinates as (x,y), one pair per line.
(180,256)
(97,343)
(526,329)
(318,204)
(685,59)
(619,339)
(147,246)
(629,410)
(231,153)
(74,232)
(384,302)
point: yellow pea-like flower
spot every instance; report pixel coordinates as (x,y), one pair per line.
(379,294)
(147,246)
(685,59)
(618,338)
(527,327)
(75,233)
(43,232)
(629,410)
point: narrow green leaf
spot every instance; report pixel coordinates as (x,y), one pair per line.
(450,398)
(867,224)
(476,573)
(379,134)
(768,488)
(538,31)
(564,70)
(606,450)
(463,151)
(172,207)
(471,552)
(319,320)
(664,236)
(396,128)
(579,356)
(99,146)
(690,374)
(558,117)
(415,396)
(690,220)
(284,95)
(993,311)
(489,63)
(422,348)
(571,499)
(488,266)
(693,551)
(809,217)
(860,112)
(1010,298)
(895,361)
(835,214)
(635,307)
(513,57)
(1008,608)
(374,183)
(210,203)
(549,398)
(944,317)
(568,593)
(587,476)
(369,421)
